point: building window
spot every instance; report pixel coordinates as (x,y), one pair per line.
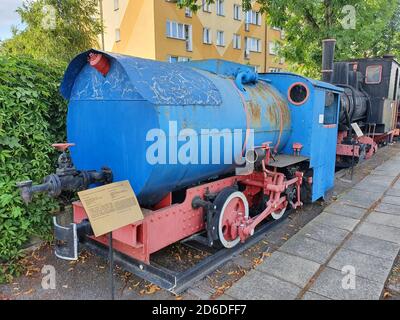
(273,48)
(236,41)
(274,70)
(117,35)
(180,31)
(248,17)
(206,6)
(176,30)
(220,38)
(283,35)
(207,39)
(188,37)
(220,8)
(188,12)
(253,17)
(237,12)
(116,5)
(253,44)
(173,59)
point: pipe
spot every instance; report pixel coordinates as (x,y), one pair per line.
(66,178)
(328,58)
(55,184)
(245,77)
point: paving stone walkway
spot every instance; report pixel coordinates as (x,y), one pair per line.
(359,232)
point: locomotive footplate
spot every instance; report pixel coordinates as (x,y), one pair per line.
(177,282)
(285,160)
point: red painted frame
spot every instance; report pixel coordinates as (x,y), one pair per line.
(170,223)
(347,149)
(163,227)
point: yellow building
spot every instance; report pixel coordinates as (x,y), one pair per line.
(158,29)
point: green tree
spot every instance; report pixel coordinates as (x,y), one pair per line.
(55,30)
(308,22)
(389,42)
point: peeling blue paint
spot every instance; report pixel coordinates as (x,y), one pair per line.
(157,82)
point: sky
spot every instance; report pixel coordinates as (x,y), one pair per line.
(8,17)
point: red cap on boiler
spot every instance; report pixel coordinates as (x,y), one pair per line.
(99,62)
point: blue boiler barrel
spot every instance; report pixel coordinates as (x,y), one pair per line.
(143,111)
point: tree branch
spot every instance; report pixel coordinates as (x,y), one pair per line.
(310,19)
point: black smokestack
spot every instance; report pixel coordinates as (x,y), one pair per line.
(328,58)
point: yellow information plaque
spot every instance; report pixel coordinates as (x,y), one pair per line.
(111,207)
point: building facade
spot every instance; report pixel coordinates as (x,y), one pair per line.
(158,29)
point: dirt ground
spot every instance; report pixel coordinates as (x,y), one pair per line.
(88,278)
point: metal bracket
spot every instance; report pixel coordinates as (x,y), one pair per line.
(66,247)
(210,214)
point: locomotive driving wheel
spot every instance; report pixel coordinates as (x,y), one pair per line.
(278,214)
(230,205)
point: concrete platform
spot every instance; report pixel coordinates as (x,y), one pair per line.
(296,270)
(360,233)
(342,209)
(329,284)
(267,288)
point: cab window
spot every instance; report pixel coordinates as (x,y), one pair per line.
(373,75)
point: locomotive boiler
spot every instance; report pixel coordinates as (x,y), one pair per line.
(146,112)
(211,148)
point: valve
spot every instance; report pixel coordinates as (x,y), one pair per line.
(297,147)
(66,178)
(64,164)
(63,147)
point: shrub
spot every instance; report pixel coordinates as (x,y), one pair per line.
(32,117)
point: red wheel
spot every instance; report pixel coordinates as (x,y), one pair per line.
(231,204)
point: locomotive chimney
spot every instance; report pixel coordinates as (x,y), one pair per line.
(328,57)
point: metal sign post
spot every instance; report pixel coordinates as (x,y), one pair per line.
(111,262)
(109,208)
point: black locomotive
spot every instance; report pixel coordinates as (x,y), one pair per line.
(369,114)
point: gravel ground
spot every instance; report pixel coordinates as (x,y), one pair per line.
(87,278)
(393,283)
